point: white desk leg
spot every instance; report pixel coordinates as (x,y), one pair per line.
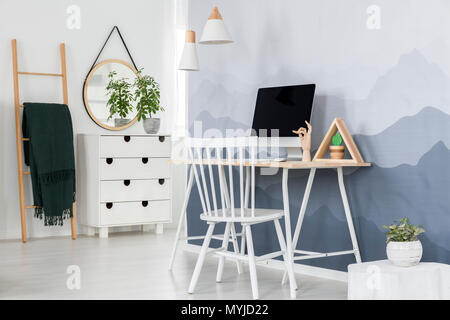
(301,215)
(182,218)
(348,214)
(287,221)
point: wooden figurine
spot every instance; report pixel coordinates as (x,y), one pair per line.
(305,140)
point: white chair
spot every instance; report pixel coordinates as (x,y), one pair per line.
(182,223)
(217,154)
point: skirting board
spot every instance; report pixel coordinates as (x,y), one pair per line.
(82,230)
(324,273)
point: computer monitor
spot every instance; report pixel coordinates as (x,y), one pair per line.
(279,110)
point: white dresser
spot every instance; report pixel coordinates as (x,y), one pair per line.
(123,180)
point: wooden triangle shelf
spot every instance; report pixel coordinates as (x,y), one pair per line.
(338,125)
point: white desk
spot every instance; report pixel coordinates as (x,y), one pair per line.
(313,166)
(291,243)
(382,280)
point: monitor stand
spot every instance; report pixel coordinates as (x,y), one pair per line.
(294,154)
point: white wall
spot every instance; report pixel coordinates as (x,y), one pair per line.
(39,27)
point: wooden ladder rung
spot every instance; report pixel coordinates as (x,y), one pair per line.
(32,207)
(26,172)
(25,139)
(42,74)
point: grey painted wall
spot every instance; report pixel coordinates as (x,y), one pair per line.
(391,86)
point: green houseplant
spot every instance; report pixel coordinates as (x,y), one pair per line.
(147,95)
(336,149)
(403,247)
(120,99)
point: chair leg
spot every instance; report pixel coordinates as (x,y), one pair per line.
(252,262)
(243,241)
(201,258)
(226,237)
(236,247)
(287,259)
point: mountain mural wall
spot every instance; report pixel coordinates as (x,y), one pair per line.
(397,108)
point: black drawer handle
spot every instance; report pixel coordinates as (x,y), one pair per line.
(161,181)
(144,203)
(109,205)
(109,160)
(127,138)
(162,138)
(144,160)
(126,182)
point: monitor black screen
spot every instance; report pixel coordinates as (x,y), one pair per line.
(283,108)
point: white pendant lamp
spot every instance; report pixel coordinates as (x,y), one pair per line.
(215,31)
(189,60)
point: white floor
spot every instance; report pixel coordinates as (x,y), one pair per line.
(134,266)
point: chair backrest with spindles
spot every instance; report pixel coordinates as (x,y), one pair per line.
(219,155)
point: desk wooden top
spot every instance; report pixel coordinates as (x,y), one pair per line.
(324,163)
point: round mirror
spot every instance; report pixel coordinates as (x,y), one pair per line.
(96,95)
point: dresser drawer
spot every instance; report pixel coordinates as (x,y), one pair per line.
(134,190)
(134,168)
(122,213)
(134,146)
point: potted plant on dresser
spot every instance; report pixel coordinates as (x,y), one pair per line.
(147,95)
(403,248)
(120,99)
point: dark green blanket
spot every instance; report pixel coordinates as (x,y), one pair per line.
(50,155)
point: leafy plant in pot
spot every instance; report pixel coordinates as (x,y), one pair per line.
(147,95)
(336,150)
(120,99)
(403,248)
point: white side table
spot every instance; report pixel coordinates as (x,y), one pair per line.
(381,280)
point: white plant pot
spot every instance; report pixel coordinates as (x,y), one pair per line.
(151,125)
(404,254)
